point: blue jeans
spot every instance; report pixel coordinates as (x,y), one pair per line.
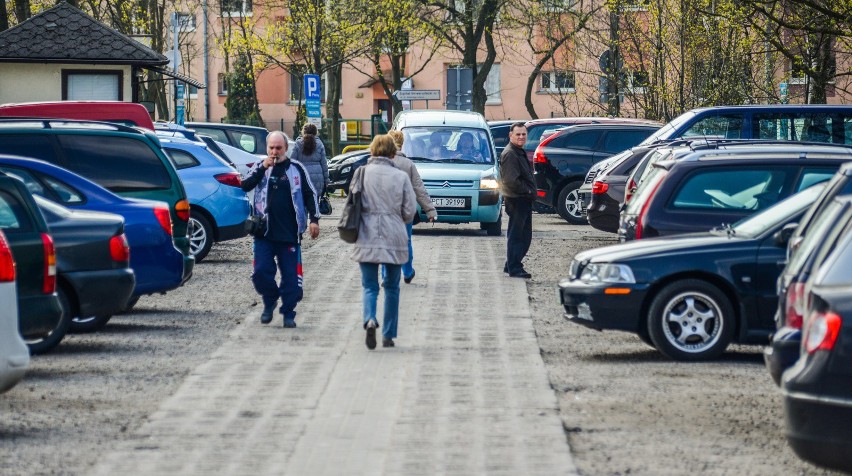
(407,268)
(370,283)
(289,263)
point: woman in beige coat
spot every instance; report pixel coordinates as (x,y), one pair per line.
(406,165)
(388,203)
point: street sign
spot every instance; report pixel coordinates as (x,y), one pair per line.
(344,131)
(417,94)
(180,104)
(317,121)
(313,93)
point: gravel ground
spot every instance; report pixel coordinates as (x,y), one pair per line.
(625,409)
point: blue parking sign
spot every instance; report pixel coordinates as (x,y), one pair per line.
(313,93)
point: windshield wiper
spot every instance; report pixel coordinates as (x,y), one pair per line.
(457,161)
(419,159)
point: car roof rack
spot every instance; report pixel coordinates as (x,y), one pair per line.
(58,123)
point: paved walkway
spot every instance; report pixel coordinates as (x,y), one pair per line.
(464,392)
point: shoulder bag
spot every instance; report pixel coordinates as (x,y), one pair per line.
(350,218)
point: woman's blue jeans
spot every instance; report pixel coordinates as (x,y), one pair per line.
(408,267)
(370,283)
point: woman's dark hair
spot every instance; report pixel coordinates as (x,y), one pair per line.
(309,138)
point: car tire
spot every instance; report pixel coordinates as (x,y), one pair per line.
(44,344)
(644,337)
(129,307)
(493,229)
(200,236)
(691,320)
(568,206)
(89,323)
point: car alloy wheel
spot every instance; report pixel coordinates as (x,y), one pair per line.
(200,236)
(691,320)
(570,204)
(88,323)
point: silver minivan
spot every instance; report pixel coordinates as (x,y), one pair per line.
(14,354)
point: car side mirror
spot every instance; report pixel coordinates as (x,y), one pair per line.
(782,236)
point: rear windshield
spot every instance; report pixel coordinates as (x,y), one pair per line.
(13,216)
(448,145)
(120,164)
(646,189)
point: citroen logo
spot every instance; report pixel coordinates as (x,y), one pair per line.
(445,184)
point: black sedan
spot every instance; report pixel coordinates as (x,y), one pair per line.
(94,278)
(818,388)
(342,167)
(689,295)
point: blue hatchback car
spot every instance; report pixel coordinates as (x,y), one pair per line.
(158,264)
(218,206)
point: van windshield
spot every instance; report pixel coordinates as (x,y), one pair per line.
(448,145)
(667,130)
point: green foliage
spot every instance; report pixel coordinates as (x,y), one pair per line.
(242,96)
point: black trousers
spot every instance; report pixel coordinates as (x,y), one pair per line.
(519,232)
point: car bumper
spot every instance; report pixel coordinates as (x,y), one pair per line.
(603,306)
(603,213)
(818,429)
(188,265)
(585,197)
(38,315)
(782,352)
(479,206)
(102,293)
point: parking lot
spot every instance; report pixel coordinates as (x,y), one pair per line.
(623,407)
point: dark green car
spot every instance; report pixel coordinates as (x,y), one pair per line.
(40,314)
(125,160)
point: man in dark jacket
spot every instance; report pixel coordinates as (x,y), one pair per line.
(519,191)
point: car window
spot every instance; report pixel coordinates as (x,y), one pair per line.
(587,140)
(36,146)
(835,267)
(617,141)
(217,134)
(811,176)
(500,135)
(13,216)
(734,188)
(182,159)
(244,140)
(447,144)
(646,189)
(780,212)
(116,163)
(33,185)
(727,126)
(817,231)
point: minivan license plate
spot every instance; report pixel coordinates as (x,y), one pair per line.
(448,202)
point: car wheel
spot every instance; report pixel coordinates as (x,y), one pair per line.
(493,229)
(44,344)
(569,205)
(691,320)
(88,323)
(200,236)
(644,337)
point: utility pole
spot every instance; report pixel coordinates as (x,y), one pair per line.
(613,72)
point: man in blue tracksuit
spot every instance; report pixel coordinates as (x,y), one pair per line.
(288,202)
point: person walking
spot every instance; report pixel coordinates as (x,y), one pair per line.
(388,203)
(519,192)
(406,165)
(287,202)
(310,152)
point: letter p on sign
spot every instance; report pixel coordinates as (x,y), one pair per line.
(312,86)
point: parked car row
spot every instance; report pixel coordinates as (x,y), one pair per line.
(706,228)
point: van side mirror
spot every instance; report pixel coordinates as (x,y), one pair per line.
(782,236)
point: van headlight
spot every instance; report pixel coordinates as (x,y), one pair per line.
(346,169)
(607,273)
(489,183)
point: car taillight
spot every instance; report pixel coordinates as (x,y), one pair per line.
(539,157)
(165,219)
(119,249)
(541,193)
(49,283)
(641,218)
(795,305)
(7,263)
(823,329)
(182,210)
(229,178)
(599,188)
(631,187)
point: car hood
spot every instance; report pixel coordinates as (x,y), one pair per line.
(433,171)
(670,247)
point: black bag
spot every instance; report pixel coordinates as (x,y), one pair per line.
(255,225)
(350,218)
(324,205)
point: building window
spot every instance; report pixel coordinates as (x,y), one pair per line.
(798,71)
(559,5)
(236,8)
(636,81)
(186,21)
(89,85)
(559,81)
(492,86)
(297,73)
(634,5)
(223,84)
(192,92)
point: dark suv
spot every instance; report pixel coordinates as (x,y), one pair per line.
(251,139)
(40,315)
(562,161)
(125,160)
(710,188)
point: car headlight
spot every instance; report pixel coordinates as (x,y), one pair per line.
(607,273)
(345,169)
(489,183)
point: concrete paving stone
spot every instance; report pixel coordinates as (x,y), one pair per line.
(464,391)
